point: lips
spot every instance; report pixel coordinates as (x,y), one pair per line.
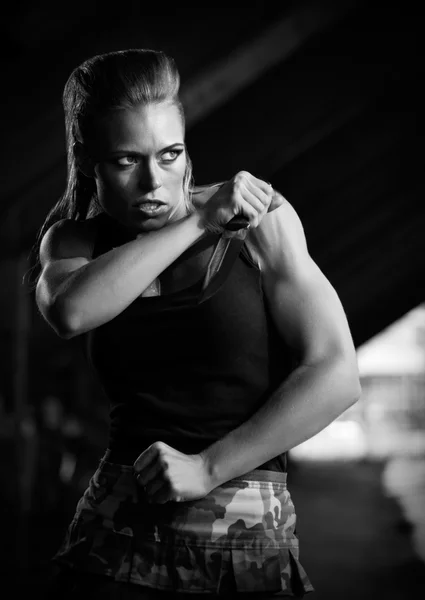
(153,201)
(151,208)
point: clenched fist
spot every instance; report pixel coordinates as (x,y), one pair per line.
(169,475)
(243,195)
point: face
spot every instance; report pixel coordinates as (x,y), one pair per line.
(140,156)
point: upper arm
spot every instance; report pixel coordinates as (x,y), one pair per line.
(303,304)
(66,246)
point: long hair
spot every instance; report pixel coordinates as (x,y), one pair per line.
(101,84)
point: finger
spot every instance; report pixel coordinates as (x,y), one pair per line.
(244,176)
(160,493)
(152,472)
(265,197)
(146,457)
(263,185)
(248,212)
(157,488)
(251,199)
(277,201)
(261,189)
(152,487)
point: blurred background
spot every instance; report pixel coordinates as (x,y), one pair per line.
(324,99)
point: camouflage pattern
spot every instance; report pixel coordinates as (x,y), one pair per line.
(239,538)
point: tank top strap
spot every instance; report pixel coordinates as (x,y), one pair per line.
(246,255)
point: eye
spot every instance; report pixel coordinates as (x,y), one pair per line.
(126,161)
(171,155)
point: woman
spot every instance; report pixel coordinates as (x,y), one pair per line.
(207,393)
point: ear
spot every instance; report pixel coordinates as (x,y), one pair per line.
(84,163)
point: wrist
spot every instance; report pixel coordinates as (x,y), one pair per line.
(208,227)
(211,467)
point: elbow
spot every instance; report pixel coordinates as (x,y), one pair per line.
(357,392)
(341,380)
(57,311)
(340,375)
(66,334)
(64,322)
(354,391)
(349,377)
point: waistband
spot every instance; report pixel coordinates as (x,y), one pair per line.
(121,457)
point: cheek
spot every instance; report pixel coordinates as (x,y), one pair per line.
(177,174)
(111,181)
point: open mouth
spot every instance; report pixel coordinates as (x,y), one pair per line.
(151,207)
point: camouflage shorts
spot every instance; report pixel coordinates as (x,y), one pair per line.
(239,538)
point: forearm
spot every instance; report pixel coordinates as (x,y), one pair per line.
(304,404)
(104,287)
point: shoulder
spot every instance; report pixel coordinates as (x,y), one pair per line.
(304,305)
(67,238)
(279,242)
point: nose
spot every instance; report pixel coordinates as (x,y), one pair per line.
(149,177)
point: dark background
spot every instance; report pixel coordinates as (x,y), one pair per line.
(324,99)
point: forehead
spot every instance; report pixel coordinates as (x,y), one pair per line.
(143,127)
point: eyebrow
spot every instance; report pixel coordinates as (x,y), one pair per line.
(135,153)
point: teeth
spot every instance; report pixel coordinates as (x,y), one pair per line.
(150,205)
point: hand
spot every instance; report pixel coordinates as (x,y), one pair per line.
(169,475)
(244,195)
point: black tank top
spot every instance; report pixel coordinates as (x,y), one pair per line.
(187,373)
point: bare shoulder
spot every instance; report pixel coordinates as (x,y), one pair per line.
(68,238)
(279,242)
(304,305)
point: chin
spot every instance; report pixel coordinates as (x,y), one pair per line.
(149,223)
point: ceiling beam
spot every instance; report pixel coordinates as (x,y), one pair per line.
(222,81)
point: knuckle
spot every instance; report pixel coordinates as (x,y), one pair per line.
(253,220)
(257,218)
(269,193)
(238,199)
(237,184)
(163,462)
(265,199)
(241,176)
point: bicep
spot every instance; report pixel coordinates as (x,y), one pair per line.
(303,304)
(308,315)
